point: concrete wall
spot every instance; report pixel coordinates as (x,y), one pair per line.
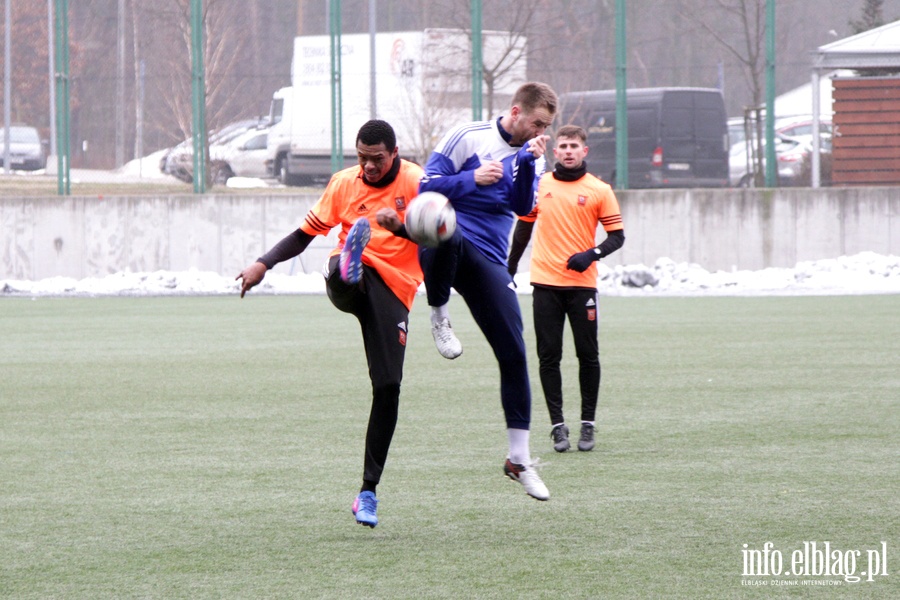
(755,228)
(719,229)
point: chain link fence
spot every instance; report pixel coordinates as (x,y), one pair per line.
(130,71)
(128,78)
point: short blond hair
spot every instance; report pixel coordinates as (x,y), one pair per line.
(533,95)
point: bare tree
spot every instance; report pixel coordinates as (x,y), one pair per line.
(743,36)
(30,89)
(872,16)
(221,48)
(502,57)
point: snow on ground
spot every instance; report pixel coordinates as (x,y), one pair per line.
(864,273)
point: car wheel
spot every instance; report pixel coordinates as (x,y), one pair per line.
(285,176)
(221,173)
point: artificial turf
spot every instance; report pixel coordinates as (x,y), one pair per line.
(210,447)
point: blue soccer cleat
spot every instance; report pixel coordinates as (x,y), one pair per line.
(365,509)
(351,255)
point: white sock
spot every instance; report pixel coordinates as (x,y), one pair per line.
(439,313)
(591,423)
(518,446)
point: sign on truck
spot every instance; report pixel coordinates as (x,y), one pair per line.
(423,88)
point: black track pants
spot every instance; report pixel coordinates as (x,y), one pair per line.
(384,322)
(551,307)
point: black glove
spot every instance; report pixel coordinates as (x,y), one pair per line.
(511,268)
(580,261)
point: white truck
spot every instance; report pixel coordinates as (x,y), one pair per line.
(423,87)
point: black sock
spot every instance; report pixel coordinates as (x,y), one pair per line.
(368,486)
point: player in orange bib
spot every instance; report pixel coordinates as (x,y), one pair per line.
(371,274)
(570,204)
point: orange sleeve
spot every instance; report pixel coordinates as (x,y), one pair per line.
(567,223)
(347,198)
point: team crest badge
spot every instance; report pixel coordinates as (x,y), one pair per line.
(401,330)
(400,203)
(582,200)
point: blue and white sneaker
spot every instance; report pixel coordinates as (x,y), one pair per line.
(351,265)
(365,509)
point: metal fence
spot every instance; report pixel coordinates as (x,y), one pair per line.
(131,68)
(107,91)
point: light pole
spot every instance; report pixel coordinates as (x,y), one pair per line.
(337,126)
(771,165)
(63,182)
(7,85)
(477,63)
(198,97)
(621,100)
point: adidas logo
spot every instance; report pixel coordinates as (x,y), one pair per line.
(590,302)
(401,325)
(548,195)
(363,209)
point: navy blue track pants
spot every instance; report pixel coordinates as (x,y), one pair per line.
(488,291)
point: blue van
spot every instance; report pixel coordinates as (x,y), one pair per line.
(677,137)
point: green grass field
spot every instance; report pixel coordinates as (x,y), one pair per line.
(211,447)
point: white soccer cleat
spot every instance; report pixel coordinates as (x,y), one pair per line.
(528,477)
(445,340)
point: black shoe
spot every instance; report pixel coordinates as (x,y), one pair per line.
(560,437)
(586,442)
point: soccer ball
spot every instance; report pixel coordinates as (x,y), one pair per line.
(430,219)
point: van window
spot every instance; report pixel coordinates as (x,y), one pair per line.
(679,123)
(276,111)
(642,123)
(709,124)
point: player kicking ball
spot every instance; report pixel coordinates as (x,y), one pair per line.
(488,170)
(372,274)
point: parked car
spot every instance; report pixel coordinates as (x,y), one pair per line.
(799,127)
(242,156)
(26,150)
(736,131)
(793,148)
(179,161)
(790,154)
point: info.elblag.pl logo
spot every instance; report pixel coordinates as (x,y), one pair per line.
(820,560)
